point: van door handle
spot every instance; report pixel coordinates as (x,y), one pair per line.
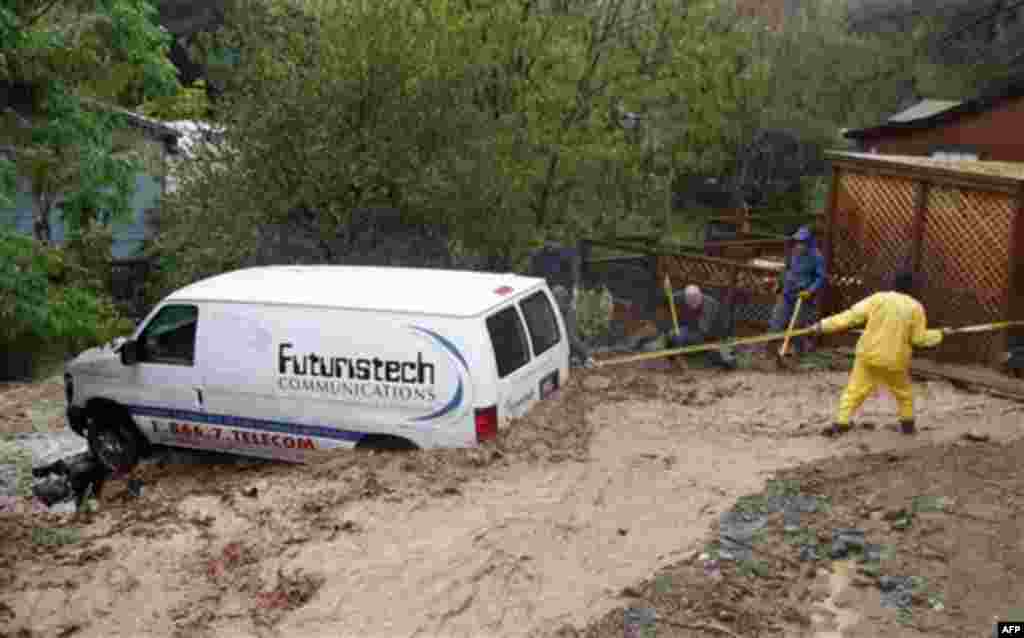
(199,396)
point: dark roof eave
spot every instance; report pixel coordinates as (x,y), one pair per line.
(969,107)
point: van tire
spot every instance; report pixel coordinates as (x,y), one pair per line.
(386,442)
(113,439)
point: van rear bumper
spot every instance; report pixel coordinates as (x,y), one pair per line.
(76,420)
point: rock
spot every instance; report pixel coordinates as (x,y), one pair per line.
(64,507)
(791,521)
(846,539)
(639,621)
(52,489)
(976,437)
(897,591)
(736,534)
(808,553)
(630,592)
(872,553)
(622,531)
(251,492)
(8,480)
(50,447)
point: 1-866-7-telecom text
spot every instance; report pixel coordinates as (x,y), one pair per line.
(231,436)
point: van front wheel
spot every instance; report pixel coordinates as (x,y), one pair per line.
(115,443)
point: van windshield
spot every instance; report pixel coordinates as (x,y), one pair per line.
(540,319)
(509,341)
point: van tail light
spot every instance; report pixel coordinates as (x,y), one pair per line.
(486,424)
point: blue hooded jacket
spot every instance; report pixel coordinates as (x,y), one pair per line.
(806,271)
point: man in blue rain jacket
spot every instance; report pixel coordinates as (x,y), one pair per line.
(803,277)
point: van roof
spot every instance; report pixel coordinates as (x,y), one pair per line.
(455,293)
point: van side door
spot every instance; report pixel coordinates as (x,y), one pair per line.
(164,390)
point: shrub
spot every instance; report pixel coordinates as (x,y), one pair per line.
(594,312)
(50,305)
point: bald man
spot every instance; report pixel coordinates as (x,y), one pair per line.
(703,321)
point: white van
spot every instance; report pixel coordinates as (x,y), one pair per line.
(277,361)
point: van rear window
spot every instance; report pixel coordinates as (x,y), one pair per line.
(509,340)
(540,319)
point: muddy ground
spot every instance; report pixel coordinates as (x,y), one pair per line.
(622,476)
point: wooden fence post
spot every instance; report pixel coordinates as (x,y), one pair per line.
(1014,294)
(830,297)
(734,285)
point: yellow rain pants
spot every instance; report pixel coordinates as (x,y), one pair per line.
(895,325)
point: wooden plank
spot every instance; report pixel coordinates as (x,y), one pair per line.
(933,172)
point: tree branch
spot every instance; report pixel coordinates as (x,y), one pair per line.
(32,20)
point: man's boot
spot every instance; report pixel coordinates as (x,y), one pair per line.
(907,426)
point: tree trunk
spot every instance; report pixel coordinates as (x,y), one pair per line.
(41,219)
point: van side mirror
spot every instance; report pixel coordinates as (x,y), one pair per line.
(129,353)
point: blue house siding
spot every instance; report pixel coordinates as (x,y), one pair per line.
(128,235)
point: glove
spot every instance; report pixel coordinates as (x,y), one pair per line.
(805,294)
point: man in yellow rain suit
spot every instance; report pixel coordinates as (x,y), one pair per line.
(896,324)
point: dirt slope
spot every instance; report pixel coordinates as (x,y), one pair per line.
(591,494)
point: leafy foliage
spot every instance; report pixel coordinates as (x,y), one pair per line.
(191,103)
(593,312)
(45,296)
(68,54)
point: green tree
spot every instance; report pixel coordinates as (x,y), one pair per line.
(68,55)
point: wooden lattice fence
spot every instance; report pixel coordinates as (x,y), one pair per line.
(956,224)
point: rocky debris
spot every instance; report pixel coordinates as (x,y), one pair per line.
(976,437)
(8,480)
(844,540)
(49,447)
(809,553)
(639,622)
(738,528)
(736,534)
(897,591)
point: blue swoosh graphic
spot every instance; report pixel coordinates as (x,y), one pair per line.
(444,342)
(457,398)
(454,403)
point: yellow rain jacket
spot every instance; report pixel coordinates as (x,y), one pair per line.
(896,324)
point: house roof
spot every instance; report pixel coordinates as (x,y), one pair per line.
(930,113)
(923,109)
(155,128)
(451,293)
